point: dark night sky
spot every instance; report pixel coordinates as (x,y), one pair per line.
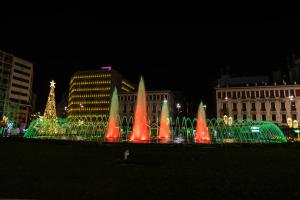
(180,57)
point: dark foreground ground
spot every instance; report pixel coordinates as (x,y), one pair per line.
(72,170)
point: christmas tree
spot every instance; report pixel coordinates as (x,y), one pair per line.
(50,111)
(49,126)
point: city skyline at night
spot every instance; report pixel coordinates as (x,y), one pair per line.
(187,58)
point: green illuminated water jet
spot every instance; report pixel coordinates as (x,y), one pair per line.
(164,134)
(113,131)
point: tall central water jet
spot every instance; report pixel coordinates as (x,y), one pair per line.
(140,132)
(202,135)
(113,132)
(164,130)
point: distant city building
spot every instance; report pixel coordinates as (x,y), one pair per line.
(154,99)
(90,92)
(274,102)
(16,77)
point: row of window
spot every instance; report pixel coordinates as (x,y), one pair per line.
(20,86)
(149,97)
(21,79)
(22,65)
(262,106)
(18,93)
(258,94)
(263,117)
(20,72)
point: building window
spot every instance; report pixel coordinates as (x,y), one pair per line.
(124,109)
(273,106)
(283,119)
(235,117)
(243,95)
(293,105)
(281,93)
(244,107)
(297,93)
(131,108)
(252,95)
(272,94)
(267,93)
(273,117)
(166,97)
(292,92)
(224,106)
(150,97)
(238,94)
(154,97)
(244,116)
(262,94)
(154,108)
(254,117)
(248,94)
(234,107)
(229,94)
(263,106)
(294,117)
(253,107)
(282,106)
(286,93)
(263,117)
(234,95)
(223,95)
(154,118)
(257,94)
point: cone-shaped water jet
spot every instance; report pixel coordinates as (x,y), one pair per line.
(164,130)
(140,133)
(202,135)
(113,132)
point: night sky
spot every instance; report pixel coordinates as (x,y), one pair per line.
(181,57)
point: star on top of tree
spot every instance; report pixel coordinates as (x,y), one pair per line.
(52,84)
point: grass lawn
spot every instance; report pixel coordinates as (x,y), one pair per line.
(43,169)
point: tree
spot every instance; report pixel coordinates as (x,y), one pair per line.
(50,111)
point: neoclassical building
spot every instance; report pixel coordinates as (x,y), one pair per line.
(275,103)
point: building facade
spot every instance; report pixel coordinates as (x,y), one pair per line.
(16,77)
(274,103)
(127,102)
(90,92)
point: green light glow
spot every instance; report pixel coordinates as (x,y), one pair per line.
(241,131)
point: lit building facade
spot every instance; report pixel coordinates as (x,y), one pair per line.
(16,77)
(154,101)
(90,92)
(276,103)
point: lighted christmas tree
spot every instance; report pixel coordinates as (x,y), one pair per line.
(50,111)
(49,126)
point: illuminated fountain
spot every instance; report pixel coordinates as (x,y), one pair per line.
(164,134)
(179,130)
(140,132)
(202,134)
(113,131)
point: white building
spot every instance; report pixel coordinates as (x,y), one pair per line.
(154,100)
(274,103)
(16,77)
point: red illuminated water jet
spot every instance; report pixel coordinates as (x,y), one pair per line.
(140,132)
(113,132)
(164,134)
(202,134)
